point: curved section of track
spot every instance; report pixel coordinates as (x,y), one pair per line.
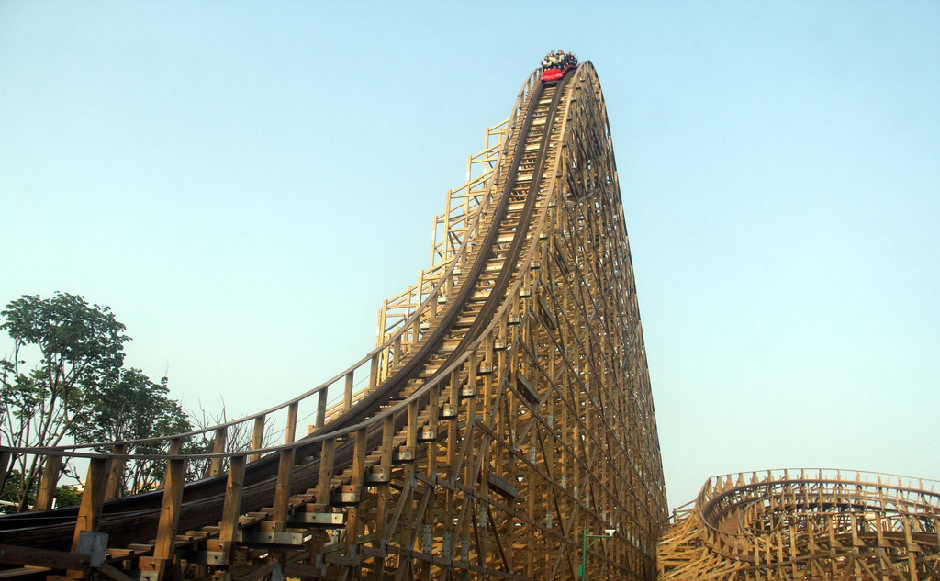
(54,528)
(519,418)
(802,523)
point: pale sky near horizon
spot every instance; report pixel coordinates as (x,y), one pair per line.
(244,183)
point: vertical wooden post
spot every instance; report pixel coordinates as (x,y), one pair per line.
(532,514)
(357,479)
(454,399)
(218,447)
(231,510)
(153,568)
(374,371)
(489,358)
(257,437)
(326,472)
(47,484)
(285,469)
(290,432)
(385,466)
(383,313)
(321,407)
(116,473)
(434,404)
(347,391)
(92,500)
(411,440)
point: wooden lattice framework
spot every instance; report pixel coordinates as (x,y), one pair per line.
(806,524)
(504,415)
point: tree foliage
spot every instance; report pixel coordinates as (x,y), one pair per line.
(80,348)
(11,492)
(65,380)
(135,408)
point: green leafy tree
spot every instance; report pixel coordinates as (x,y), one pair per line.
(65,381)
(77,348)
(135,408)
(10,494)
(67,496)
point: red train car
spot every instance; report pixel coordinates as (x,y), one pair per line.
(556,65)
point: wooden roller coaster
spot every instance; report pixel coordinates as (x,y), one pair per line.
(806,524)
(504,417)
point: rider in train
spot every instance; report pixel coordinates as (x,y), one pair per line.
(556,63)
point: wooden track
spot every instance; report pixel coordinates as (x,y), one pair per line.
(504,414)
(806,524)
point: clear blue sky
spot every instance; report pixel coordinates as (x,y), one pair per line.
(243,183)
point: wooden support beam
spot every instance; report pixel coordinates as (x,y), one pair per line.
(219,442)
(285,469)
(412,435)
(348,391)
(385,469)
(257,437)
(290,429)
(356,481)
(154,568)
(114,488)
(34,557)
(321,406)
(231,510)
(326,472)
(48,482)
(90,509)
(374,371)
(285,472)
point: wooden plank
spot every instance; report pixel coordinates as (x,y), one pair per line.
(17,555)
(502,486)
(258,573)
(112,572)
(527,390)
(23,572)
